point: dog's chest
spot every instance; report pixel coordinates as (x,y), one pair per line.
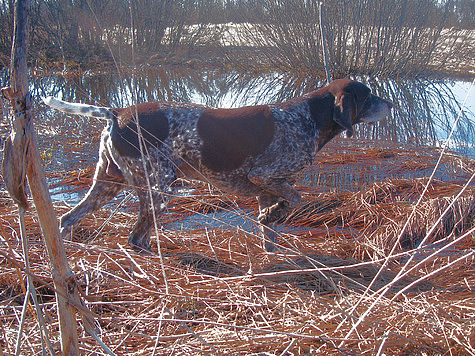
(294,145)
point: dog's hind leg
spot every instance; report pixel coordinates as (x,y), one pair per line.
(139,238)
(157,199)
(108,181)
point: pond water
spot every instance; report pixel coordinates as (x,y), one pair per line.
(423,114)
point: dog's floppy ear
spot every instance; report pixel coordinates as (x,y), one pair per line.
(345,109)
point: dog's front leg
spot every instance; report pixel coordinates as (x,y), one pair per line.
(267,229)
(270,208)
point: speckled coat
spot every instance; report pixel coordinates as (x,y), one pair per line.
(256,150)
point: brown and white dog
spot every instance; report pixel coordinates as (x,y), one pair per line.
(253,151)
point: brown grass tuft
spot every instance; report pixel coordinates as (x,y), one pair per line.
(304,300)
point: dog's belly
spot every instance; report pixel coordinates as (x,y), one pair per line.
(238,186)
(232,182)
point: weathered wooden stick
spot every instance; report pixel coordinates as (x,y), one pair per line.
(63,278)
(22,157)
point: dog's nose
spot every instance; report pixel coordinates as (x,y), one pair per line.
(389,104)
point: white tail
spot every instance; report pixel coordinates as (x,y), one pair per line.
(79,109)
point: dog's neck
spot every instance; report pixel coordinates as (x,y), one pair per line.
(321,106)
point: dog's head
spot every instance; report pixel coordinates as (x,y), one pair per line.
(354,103)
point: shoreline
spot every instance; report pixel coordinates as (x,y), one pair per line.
(226,59)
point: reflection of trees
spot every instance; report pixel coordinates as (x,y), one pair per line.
(424,110)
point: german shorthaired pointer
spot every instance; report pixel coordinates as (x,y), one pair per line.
(252,151)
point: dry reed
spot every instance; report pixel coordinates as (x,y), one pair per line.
(297,302)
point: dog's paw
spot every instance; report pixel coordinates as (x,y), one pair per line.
(142,250)
(270,246)
(65,232)
(274,213)
(140,247)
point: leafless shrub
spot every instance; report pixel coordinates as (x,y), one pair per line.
(382,38)
(94,31)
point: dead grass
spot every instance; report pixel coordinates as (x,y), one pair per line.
(304,300)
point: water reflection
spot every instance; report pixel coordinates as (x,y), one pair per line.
(423,115)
